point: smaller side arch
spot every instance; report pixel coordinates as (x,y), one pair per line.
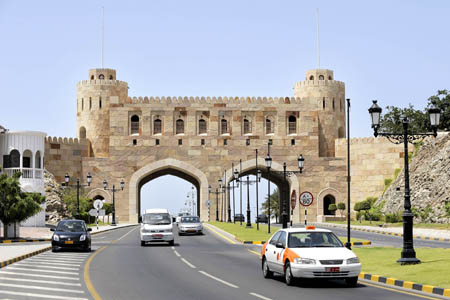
(96,193)
(82,134)
(321,199)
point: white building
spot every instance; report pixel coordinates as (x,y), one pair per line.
(23,151)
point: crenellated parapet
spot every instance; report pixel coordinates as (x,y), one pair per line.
(65,140)
(95,82)
(212,100)
(309,83)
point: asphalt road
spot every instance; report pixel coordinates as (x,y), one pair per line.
(201,267)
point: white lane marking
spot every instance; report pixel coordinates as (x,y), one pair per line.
(64,256)
(219,280)
(41,295)
(260,296)
(74,260)
(49,262)
(39,281)
(188,263)
(127,233)
(45,271)
(40,266)
(173,248)
(40,275)
(34,287)
(176,253)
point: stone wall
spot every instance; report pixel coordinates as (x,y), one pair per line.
(372,161)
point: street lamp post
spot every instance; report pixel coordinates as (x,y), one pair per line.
(220,191)
(408,255)
(113,190)
(258,178)
(248,182)
(217,199)
(348,244)
(78,185)
(240,190)
(268,166)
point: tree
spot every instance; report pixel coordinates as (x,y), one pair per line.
(442,99)
(274,205)
(341,207)
(70,199)
(15,205)
(391,121)
(332,207)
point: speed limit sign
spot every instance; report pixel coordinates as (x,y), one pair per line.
(306,199)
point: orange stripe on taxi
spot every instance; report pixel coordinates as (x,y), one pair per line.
(289,254)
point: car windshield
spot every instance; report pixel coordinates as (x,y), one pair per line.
(157,219)
(313,239)
(190,220)
(70,226)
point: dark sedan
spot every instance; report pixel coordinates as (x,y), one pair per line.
(262,219)
(239,218)
(71,234)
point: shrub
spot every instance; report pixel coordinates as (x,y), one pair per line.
(393,218)
(332,207)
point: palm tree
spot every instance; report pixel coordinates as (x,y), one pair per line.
(274,205)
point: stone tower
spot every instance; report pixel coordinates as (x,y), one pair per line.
(95,97)
(329,95)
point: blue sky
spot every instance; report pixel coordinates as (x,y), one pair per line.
(393,51)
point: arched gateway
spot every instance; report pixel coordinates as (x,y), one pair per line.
(198,139)
(167,167)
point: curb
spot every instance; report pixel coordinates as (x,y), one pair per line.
(24,241)
(428,238)
(22,257)
(406,284)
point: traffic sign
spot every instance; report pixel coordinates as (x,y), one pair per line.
(98,204)
(306,198)
(293,199)
(93,212)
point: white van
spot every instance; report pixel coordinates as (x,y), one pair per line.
(156,226)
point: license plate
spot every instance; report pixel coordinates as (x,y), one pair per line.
(332,269)
(157,236)
(191,230)
(68,242)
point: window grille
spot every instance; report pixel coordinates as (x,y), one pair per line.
(223,126)
(179,127)
(134,125)
(201,126)
(292,125)
(269,126)
(157,126)
(246,126)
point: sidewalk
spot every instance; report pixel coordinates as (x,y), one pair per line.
(18,250)
(419,233)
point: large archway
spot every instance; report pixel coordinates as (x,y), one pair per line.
(164,167)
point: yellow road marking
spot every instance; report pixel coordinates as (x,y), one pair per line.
(219,234)
(399,291)
(254,252)
(87,278)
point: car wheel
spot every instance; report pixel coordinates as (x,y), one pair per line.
(290,280)
(142,243)
(54,249)
(265,268)
(171,243)
(179,233)
(351,281)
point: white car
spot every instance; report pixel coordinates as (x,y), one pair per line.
(156,226)
(182,214)
(309,253)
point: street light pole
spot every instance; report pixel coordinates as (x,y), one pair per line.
(114,190)
(284,212)
(268,165)
(258,178)
(78,185)
(408,255)
(249,224)
(217,205)
(348,244)
(234,202)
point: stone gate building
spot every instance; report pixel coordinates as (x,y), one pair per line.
(198,139)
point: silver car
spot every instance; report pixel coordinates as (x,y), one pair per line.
(190,225)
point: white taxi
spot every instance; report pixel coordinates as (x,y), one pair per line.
(309,253)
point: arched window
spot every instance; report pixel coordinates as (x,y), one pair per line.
(202,126)
(269,126)
(321,77)
(92,77)
(333,103)
(14,159)
(157,128)
(311,77)
(134,128)
(100,103)
(179,126)
(330,78)
(101,76)
(327,200)
(82,133)
(292,125)
(323,103)
(111,77)
(247,128)
(37,160)
(27,163)
(82,104)
(223,126)
(90,103)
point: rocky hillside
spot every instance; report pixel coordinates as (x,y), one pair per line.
(56,209)
(429,176)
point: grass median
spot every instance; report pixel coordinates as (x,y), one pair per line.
(434,269)
(251,234)
(378,224)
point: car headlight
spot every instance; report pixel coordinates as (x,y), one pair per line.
(82,237)
(304,261)
(353,260)
(56,238)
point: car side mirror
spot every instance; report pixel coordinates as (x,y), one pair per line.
(52,229)
(89,229)
(279,245)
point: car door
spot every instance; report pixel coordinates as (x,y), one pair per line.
(271,252)
(278,264)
